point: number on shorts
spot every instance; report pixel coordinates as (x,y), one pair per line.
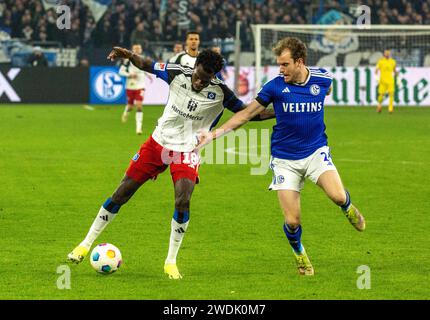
(327,158)
(191,159)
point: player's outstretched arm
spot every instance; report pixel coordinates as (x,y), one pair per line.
(140,62)
(237,120)
(267,113)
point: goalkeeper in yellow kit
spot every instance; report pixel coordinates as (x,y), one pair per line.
(385,71)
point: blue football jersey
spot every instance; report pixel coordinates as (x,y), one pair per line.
(299,110)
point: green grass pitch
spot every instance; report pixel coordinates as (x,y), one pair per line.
(58,164)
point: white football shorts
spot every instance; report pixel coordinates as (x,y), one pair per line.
(291,174)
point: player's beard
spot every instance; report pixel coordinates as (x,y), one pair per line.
(294,77)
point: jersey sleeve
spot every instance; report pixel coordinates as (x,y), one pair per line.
(266,94)
(123,71)
(173,59)
(328,77)
(165,71)
(230,101)
(378,65)
(176,59)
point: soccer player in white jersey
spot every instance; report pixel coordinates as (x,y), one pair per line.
(135,88)
(196,101)
(299,144)
(188,57)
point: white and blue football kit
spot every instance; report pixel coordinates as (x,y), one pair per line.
(187,111)
(299,143)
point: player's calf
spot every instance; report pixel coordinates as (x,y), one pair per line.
(340,197)
(125,191)
(139,121)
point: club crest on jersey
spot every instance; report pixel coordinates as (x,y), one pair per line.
(211,95)
(136,156)
(192,105)
(315,89)
(160,66)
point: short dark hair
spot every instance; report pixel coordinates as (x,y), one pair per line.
(191,32)
(212,62)
(295,45)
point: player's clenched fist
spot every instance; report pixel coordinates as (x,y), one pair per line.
(118,52)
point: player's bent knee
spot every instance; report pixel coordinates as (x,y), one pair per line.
(292,221)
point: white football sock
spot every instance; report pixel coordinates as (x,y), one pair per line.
(103,218)
(176,235)
(139,120)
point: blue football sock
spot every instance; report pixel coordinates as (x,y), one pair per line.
(111,206)
(181,216)
(347,203)
(294,236)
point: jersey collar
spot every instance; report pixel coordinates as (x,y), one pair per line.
(186,51)
(307,79)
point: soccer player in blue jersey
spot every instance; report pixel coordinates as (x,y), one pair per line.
(299,143)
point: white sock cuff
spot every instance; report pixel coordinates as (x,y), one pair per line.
(175,224)
(106,215)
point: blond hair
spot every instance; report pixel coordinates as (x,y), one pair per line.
(295,45)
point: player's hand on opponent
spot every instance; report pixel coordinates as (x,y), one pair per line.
(118,52)
(204,138)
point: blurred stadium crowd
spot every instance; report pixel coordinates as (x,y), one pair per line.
(126,21)
(134,21)
(129,21)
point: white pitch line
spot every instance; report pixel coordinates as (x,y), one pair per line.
(404,162)
(87,107)
(240,153)
(383,161)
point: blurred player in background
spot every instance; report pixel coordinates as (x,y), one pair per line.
(385,72)
(188,57)
(299,143)
(135,88)
(196,101)
(222,75)
(178,48)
